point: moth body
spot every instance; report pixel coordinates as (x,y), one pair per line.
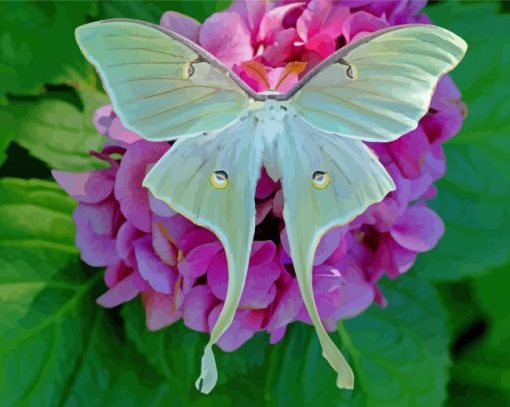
(166,88)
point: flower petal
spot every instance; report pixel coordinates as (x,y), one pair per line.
(95,227)
(181,24)
(118,132)
(272,21)
(132,197)
(87,187)
(262,273)
(198,260)
(103,117)
(160,310)
(322,18)
(126,235)
(243,327)
(418,229)
(226,37)
(197,306)
(160,276)
(360,24)
(409,152)
(123,291)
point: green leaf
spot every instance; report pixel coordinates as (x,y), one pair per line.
(460,301)
(175,352)
(399,355)
(387,348)
(473,196)
(56,131)
(37,45)
(483,369)
(57,346)
(6,133)
(153,10)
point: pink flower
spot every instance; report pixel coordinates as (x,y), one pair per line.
(179,269)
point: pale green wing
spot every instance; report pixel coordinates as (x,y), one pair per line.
(356,180)
(378,88)
(211,179)
(161,85)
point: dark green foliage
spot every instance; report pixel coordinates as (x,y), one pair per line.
(443,339)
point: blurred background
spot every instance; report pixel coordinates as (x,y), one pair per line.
(443,339)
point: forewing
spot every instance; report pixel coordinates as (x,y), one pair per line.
(378,88)
(357,180)
(182,179)
(161,85)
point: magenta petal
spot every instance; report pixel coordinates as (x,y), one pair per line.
(262,253)
(181,24)
(286,305)
(282,49)
(321,44)
(409,152)
(174,227)
(198,260)
(116,272)
(265,185)
(278,201)
(103,117)
(286,84)
(226,37)
(271,23)
(132,197)
(255,82)
(277,335)
(95,226)
(195,237)
(258,290)
(419,186)
(243,327)
(164,248)
(124,291)
(356,294)
(252,13)
(418,229)
(322,17)
(362,23)
(160,208)
(87,187)
(118,132)
(126,235)
(327,245)
(160,310)
(403,259)
(197,307)
(160,276)
(262,209)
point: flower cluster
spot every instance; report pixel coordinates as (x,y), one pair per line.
(179,269)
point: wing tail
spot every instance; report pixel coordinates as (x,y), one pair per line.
(182,179)
(350,179)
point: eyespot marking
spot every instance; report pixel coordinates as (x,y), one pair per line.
(321,180)
(352,71)
(219,179)
(190,71)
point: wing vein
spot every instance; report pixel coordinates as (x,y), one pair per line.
(154,51)
(175,107)
(146,63)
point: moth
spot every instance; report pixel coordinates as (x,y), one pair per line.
(166,88)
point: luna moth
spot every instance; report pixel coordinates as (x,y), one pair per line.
(166,88)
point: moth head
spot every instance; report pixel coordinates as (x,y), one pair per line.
(321,180)
(219,179)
